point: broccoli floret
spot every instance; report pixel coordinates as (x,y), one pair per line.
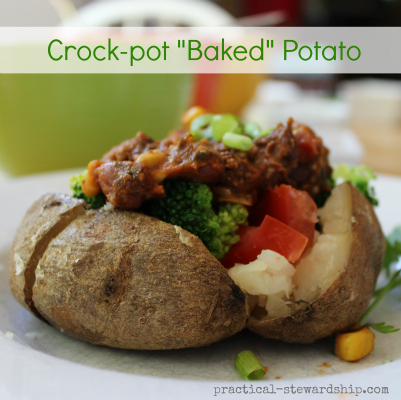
(189,205)
(97,201)
(230,217)
(360,177)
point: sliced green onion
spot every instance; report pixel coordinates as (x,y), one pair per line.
(200,122)
(265,132)
(204,133)
(207,132)
(249,366)
(239,142)
(224,123)
(197,135)
(252,129)
(232,117)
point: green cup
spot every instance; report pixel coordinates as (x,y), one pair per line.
(58,121)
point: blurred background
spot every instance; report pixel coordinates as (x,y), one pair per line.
(52,122)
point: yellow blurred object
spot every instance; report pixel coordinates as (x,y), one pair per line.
(234,92)
(225,93)
(191,114)
(353,346)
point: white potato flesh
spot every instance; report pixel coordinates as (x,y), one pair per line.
(278,304)
(273,276)
(329,256)
(270,274)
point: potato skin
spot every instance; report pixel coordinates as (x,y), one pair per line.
(46,213)
(344,302)
(130,281)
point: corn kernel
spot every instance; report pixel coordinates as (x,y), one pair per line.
(191,114)
(90,185)
(353,346)
(152,158)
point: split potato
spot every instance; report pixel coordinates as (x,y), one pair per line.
(127,280)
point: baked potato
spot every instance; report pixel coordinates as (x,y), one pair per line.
(128,280)
(119,277)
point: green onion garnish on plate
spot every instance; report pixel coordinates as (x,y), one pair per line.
(249,366)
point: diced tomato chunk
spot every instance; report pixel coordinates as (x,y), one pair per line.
(293,207)
(271,235)
(276,236)
(243,251)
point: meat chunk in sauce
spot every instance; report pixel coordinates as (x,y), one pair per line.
(130,149)
(127,184)
(134,171)
(312,169)
(275,156)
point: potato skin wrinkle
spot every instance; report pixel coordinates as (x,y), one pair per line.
(342,304)
(126,280)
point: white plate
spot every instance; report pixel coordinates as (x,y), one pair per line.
(41,363)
